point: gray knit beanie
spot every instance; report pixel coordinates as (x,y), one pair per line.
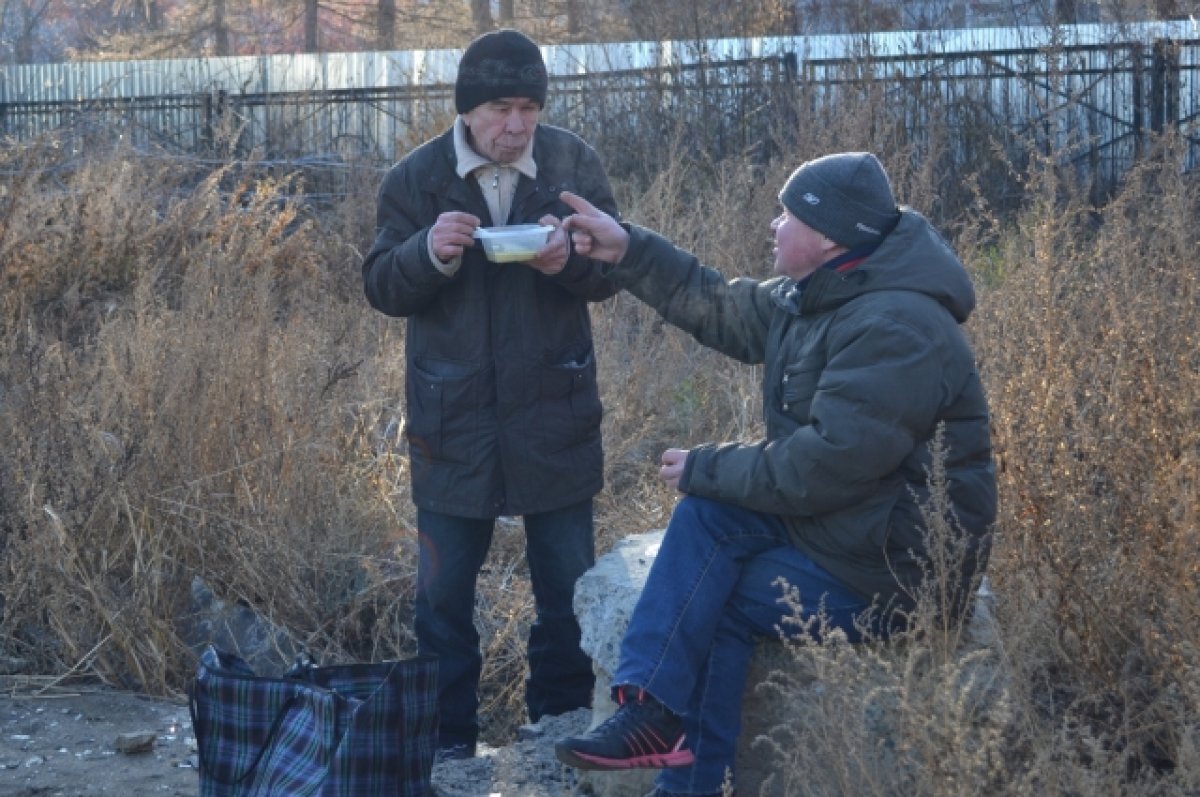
(501,63)
(846,197)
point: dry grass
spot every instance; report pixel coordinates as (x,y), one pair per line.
(191,385)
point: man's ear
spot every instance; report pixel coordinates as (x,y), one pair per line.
(831,248)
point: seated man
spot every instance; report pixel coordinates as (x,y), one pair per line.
(864,363)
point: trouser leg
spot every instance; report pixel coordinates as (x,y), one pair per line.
(451,553)
(713,719)
(693,576)
(560,548)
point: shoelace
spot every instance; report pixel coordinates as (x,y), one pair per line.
(622,696)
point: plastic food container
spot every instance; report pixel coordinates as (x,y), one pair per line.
(514,242)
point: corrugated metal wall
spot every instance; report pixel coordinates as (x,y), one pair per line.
(1095,87)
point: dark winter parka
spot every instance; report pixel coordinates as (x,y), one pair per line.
(861,369)
(502,408)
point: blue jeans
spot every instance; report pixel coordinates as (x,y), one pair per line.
(709,593)
(559,548)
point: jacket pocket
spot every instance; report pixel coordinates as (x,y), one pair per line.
(797,388)
(444,398)
(570,399)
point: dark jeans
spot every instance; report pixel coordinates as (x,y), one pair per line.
(559,547)
(710,592)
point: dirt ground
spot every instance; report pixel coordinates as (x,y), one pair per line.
(64,742)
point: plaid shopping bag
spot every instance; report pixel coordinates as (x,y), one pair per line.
(357,730)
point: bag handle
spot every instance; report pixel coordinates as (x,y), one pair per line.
(281,763)
(203,754)
(201,730)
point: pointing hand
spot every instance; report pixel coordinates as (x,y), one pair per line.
(595,233)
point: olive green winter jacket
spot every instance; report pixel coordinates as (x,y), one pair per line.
(861,369)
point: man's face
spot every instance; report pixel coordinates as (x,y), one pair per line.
(799,249)
(501,129)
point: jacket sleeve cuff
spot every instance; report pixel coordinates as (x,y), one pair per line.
(450,268)
(625,269)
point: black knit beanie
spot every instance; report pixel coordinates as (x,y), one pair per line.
(846,197)
(502,63)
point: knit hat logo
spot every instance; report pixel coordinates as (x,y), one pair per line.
(846,197)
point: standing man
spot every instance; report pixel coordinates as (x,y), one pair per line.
(503,412)
(864,366)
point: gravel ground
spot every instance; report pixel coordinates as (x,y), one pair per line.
(58,742)
(526,768)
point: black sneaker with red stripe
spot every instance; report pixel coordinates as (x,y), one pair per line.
(642,733)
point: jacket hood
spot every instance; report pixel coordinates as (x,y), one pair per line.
(913,257)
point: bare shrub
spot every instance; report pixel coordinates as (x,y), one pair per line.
(175,383)
(1087,339)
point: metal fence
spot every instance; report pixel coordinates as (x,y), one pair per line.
(1094,104)
(1089,93)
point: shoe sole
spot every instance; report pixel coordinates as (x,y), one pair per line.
(672,760)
